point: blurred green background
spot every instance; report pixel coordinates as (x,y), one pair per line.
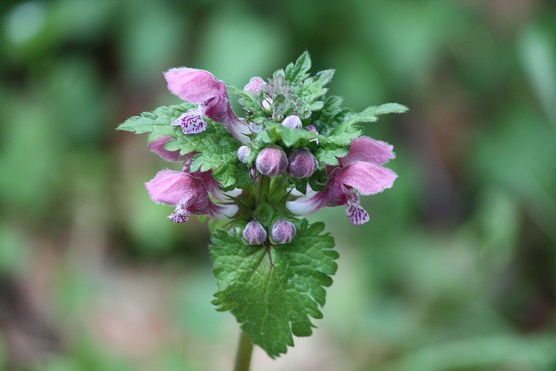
(455,271)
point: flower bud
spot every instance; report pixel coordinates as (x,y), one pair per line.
(272,161)
(302,163)
(255,128)
(254,233)
(267,105)
(243,153)
(283,231)
(254,85)
(292,122)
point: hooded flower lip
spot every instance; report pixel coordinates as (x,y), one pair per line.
(202,88)
(188,193)
(360,171)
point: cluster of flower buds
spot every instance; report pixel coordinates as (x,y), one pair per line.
(277,143)
(283,231)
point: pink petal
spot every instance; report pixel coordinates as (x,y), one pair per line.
(175,187)
(193,85)
(157,146)
(368,150)
(254,85)
(191,122)
(308,204)
(366,177)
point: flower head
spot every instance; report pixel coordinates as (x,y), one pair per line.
(202,88)
(360,171)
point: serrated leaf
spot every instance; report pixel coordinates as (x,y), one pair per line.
(217,152)
(274,291)
(290,137)
(297,72)
(330,154)
(157,122)
(370,114)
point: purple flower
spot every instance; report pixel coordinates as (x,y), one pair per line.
(360,171)
(283,231)
(202,88)
(209,185)
(254,233)
(302,163)
(254,85)
(272,161)
(188,194)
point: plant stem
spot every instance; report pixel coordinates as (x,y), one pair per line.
(244,352)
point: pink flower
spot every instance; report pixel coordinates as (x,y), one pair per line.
(360,171)
(198,183)
(188,194)
(202,88)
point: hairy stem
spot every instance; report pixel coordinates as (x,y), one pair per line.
(244,352)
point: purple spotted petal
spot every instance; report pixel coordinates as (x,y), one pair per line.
(191,122)
(179,215)
(356,214)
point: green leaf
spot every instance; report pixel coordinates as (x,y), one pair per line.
(290,137)
(217,152)
(371,114)
(273,291)
(158,122)
(297,72)
(329,154)
(312,89)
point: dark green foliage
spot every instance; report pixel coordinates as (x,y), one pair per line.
(274,290)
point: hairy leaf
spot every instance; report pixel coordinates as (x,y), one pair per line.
(273,291)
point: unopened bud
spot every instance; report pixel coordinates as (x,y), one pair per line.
(254,85)
(255,128)
(292,122)
(283,231)
(272,161)
(267,105)
(254,233)
(243,153)
(302,163)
